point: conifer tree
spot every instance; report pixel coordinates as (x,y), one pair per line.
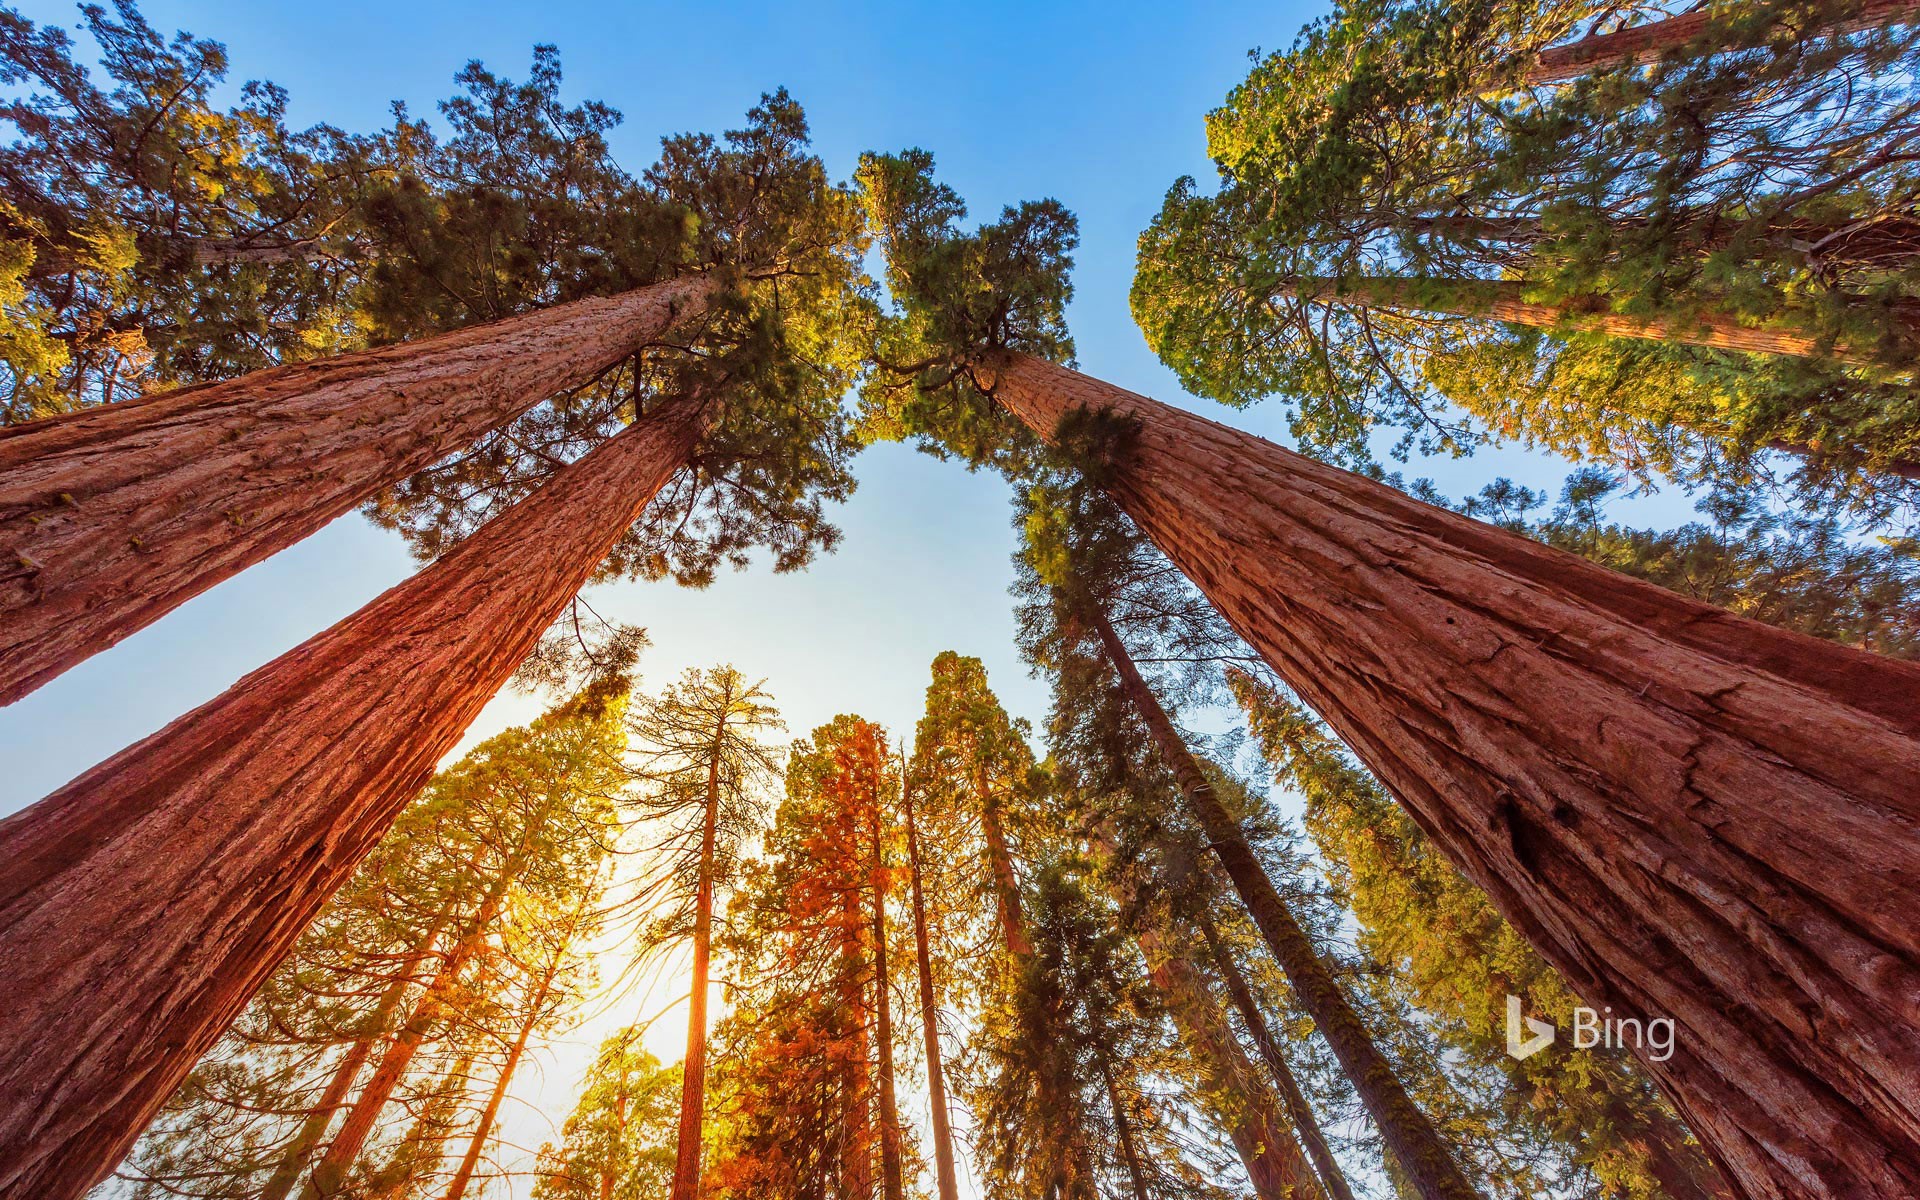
(406,956)
(1394,195)
(699,748)
(618,1143)
(1373,608)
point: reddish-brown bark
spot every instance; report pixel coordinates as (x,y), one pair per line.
(143,903)
(112,517)
(945,1176)
(1689,814)
(1674,35)
(693,1079)
(1417,1148)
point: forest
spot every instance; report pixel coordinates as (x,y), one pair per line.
(1345,786)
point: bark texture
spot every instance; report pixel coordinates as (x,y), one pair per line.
(142,904)
(1417,1148)
(112,517)
(1675,35)
(1689,814)
(892,1172)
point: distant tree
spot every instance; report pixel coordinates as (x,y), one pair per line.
(618,1144)
(705,767)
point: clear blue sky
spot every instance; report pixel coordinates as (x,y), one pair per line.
(1097,104)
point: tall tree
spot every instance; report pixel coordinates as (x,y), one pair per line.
(699,748)
(945,1176)
(1391,167)
(1636,753)
(767,254)
(1083,557)
(188,864)
(1249,522)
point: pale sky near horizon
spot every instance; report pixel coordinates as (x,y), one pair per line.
(1099,105)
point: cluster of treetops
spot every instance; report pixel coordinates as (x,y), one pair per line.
(1115,970)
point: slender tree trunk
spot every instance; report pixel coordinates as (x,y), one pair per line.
(892,1176)
(112,517)
(1417,1147)
(477,1144)
(1691,815)
(1274,1161)
(1501,300)
(293,1160)
(1123,1132)
(1332,1178)
(693,1080)
(1678,35)
(330,1173)
(945,1175)
(427,1136)
(143,903)
(1006,885)
(607,1177)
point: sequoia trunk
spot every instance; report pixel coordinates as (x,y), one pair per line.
(1691,815)
(112,517)
(142,904)
(1416,1146)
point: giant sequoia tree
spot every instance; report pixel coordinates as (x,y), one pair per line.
(113,517)
(1668,824)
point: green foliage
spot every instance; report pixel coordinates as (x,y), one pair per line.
(173,240)
(1764,186)
(960,298)
(619,1140)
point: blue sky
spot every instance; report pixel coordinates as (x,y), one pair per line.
(1097,104)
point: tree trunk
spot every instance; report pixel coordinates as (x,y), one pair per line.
(944,1172)
(1006,885)
(1417,1147)
(693,1080)
(1332,1178)
(1272,1156)
(1691,815)
(293,1160)
(892,1177)
(143,903)
(1677,35)
(1501,300)
(330,1173)
(112,517)
(488,1115)
(1122,1132)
